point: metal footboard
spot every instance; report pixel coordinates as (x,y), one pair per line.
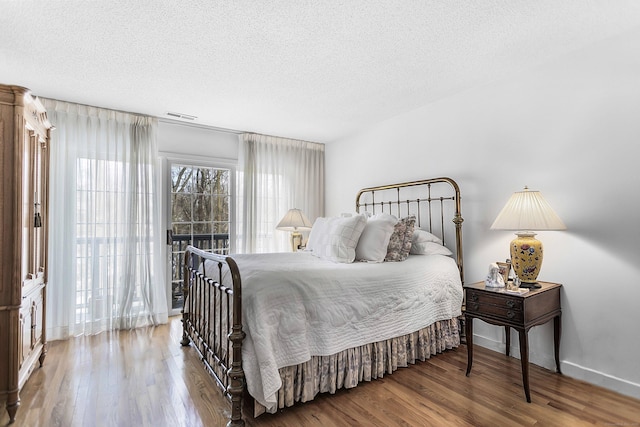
(212,320)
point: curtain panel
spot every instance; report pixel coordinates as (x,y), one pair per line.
(105,268)
(275,175)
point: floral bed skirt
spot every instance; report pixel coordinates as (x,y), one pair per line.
(321,374)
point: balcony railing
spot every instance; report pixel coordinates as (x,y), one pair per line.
(217,243)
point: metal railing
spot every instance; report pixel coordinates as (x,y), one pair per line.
(217,243)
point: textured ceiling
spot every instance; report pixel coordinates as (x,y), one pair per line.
(315,70)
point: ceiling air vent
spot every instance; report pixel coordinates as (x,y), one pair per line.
(181,116)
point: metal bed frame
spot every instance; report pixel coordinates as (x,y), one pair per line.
(217,334)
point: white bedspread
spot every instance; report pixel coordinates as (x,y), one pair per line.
(296,305)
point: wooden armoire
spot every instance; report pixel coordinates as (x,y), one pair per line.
(24,193)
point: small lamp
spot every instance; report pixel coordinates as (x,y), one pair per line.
(293,221)
(527,211)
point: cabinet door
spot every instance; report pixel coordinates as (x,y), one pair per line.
(37,313)
(25,335)
(34,191)
(31,325)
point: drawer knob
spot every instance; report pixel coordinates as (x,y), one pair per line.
(511,314)
(475,306)
(510,303)
(473,297)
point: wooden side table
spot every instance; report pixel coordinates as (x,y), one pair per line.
(521,312)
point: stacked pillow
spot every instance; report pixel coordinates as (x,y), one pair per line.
(336,238)
(373,243)
(379,238)
(425,243)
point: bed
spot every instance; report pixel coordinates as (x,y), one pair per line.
(278,329)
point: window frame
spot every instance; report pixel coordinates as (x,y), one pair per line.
(167,161)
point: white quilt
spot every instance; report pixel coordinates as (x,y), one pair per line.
(296,305)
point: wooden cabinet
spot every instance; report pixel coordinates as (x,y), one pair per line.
(24,194)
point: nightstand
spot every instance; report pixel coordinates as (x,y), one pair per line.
(520,312)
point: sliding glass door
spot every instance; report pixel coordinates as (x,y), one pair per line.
(200,206)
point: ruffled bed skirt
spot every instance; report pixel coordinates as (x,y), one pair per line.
(321,374)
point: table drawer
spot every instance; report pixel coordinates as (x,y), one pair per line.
(502,306)
(500,300)
(498,312)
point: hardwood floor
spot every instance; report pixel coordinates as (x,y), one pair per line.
(145,378)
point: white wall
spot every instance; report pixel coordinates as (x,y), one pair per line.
(184,139)
(570,129)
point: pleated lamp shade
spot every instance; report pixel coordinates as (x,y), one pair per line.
(294,220)
(527,210)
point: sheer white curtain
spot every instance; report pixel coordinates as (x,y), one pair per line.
(275,175)
(105,267)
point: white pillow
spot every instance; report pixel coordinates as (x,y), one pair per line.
(337,238)
(374,240)
(429,248)
(420,236)
(318,229)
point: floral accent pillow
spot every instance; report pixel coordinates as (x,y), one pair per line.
(400,241)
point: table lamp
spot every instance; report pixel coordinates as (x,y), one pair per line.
(527,211)
(293,221)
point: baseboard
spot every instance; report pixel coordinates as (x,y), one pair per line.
(569,369)
(609,382)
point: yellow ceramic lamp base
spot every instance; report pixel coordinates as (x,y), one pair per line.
(526,256)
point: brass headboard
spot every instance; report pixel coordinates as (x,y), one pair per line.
(430,200)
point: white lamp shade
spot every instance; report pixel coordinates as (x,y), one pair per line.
(527,210)
(294,220)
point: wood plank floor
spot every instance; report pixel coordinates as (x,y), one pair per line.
(144,378)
